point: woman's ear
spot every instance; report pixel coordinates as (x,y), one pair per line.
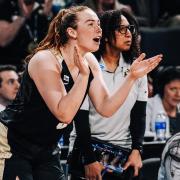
(72,33)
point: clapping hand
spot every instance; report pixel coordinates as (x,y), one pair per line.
(81,62)
(141,66)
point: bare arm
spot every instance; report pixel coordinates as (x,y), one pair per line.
(107,104)
(47,6)
(9,30)
(45,72)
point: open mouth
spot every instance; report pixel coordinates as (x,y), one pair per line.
(128,42)
(97,39)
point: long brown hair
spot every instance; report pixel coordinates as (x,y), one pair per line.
(57,35)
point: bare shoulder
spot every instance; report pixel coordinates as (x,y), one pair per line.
(43,60)
(92,61)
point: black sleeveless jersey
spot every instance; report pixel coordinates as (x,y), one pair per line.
(32,128)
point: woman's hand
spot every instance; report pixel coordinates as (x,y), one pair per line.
(81,62)
(134,161)
(141,66)
(93,171)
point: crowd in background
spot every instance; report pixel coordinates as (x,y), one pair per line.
(24,23)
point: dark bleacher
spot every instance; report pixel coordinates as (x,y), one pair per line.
(165,40)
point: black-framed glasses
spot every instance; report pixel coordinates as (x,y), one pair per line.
(123,29)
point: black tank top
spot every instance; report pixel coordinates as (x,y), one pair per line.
(32,128)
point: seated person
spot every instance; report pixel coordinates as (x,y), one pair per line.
(23,24)
(9,86)
(167,100)
(100,6)
(170,160)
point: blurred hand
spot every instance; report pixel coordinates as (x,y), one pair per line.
(47,6)
(26,10)
(134,161)
(93,171)
(141,66)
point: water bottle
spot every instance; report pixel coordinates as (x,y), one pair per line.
(160,126)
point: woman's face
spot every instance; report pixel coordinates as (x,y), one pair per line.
(172,93)
(123,36)
(88,31)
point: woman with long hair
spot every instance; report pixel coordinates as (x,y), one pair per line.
(55,81)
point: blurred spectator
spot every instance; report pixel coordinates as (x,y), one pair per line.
(169,13)
(23,24)
(172,21)
(146,11)
(170,160)
(139,8)
(60,4)
(9,86)
(155,12)
(166,100)
(104,5)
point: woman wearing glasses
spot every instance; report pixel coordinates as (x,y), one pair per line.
(55,81)
(118,48)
